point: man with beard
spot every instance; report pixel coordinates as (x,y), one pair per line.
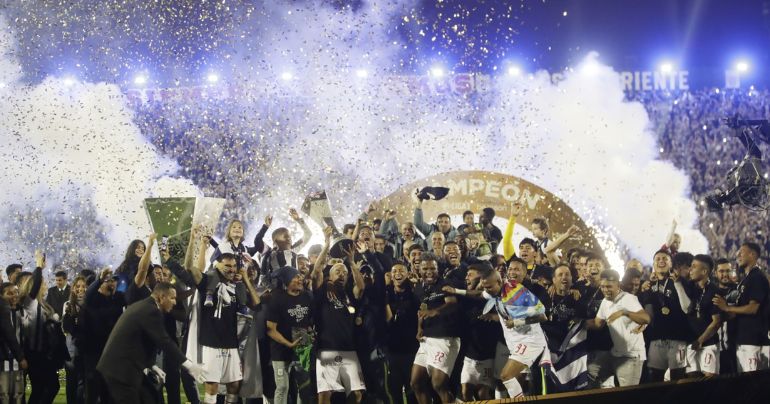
(217,328)
(401,314)
(565,311)
(622,314)
(454,270)
(725,285)
(748,310)
(102,308)
(665,298)
(480,339)
(443,225)
(438,333)
(703,352)
(337,365)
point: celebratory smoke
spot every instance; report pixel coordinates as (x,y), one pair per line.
(76,169)
(359,136)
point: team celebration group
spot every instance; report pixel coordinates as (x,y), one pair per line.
(387,312)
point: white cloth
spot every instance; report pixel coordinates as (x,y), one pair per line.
(667,354)
(338,371)
(704,360)
(525,344)
(478,372)
(625,344)
(438,353)
(221,365)
(751,358)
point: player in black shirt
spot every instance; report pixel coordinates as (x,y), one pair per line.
(725,285)
(480,341)
(438,334)
(337,365)
(750,301)
(705,320)
(401,313)
(454,270)
(598,342)
(217,325)
(289,325)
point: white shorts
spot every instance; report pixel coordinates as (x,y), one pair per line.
(478,372)
(221,365)
(751,358)
(667,354)
(705,360)
(438,353)
(525,350)
(501,358)
(338,371)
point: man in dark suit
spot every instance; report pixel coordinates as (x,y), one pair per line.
(134,343)
(59,293)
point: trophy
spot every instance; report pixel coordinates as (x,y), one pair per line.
(317,206)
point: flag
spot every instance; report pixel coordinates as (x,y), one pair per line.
(568,366)
(517,302)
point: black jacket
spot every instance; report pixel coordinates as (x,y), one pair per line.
(10,348)
(134,343)
(56,298)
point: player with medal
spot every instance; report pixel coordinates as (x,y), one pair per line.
(705,320)
(337,365)
(439,335)
(665,299)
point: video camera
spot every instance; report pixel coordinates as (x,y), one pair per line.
(745,183)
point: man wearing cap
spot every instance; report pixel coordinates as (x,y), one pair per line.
(622,314)
(289,324)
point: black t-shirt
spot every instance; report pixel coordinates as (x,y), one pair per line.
(402,330)
(289,313)
(701,310)
(596,340)
(562,312)
(218,329)
(481,336)
(752,329)
(669,321)
(334,320)
(445,324)
(135,293)
(455,277)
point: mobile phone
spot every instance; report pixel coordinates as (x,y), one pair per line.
(164,243)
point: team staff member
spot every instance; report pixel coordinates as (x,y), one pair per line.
(133,345)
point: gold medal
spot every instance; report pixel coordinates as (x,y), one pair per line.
(352,310)
(424,306)
(665,310)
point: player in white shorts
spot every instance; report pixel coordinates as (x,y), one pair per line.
(705,320)
(748,309)
(337,365)
(523,335)
(439,335)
